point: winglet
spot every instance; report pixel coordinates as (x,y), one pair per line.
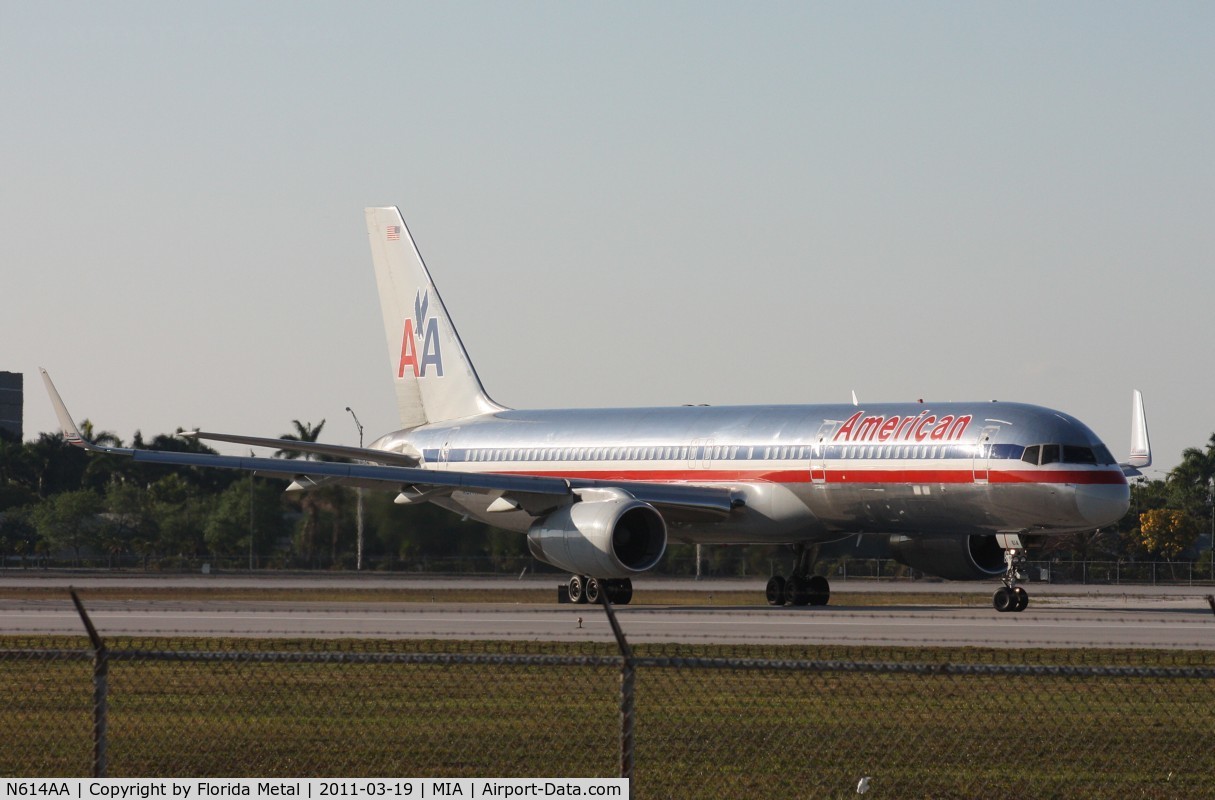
(1141,446)
(71,433)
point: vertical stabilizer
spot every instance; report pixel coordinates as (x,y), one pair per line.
(434,378)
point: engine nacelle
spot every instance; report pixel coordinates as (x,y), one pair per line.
(613,535)
(955,558)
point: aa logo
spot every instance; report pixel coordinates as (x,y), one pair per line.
(420,342)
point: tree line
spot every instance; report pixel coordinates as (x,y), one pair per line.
(60,504)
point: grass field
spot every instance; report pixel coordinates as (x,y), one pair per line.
(724,731)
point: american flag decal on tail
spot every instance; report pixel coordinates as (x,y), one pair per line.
(394,232)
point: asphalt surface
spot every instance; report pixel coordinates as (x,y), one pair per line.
(1173,617)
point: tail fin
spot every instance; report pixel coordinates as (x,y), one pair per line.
(434,378)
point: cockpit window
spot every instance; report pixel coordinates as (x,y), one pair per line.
(1067,453)
(1075,454)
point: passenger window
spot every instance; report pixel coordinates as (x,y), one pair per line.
(1031,454)
(1050,454)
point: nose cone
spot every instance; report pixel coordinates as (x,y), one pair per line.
(1103,504)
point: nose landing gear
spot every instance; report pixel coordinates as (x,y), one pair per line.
(1010,596)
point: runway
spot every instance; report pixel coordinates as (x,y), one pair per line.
(1170,620)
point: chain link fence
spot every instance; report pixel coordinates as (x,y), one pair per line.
(680,720)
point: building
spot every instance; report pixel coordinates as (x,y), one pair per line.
(11,403)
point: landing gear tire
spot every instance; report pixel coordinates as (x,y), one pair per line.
(820,590)
(577,588)
(619,592)
(1021,598)
(801,588)
(797,589)
(1003,599)
(775,591)
(593,589)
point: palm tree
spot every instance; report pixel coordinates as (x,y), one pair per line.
(102,469)
(1193,484)
(304,432)
(1191,479)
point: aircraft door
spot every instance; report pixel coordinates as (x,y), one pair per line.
(445,450)
(818,451)
(981,461)
(700,454)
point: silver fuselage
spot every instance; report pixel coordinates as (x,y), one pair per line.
(808,473)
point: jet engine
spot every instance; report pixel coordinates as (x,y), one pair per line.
(955,558)
(607,534)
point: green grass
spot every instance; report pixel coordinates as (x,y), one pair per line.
(727,732)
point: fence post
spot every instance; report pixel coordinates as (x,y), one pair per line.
(628,698)
(101,671)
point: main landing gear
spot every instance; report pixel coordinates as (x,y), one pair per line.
(801,588)
(1010,596)
(584,589)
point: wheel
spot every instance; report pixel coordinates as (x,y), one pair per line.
(594,587)
(820,590)
(797,591)
(1021,598)
(1003,599)
(775,591)
(620,592)
(577,589)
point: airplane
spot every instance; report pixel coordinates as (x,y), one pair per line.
(955,488)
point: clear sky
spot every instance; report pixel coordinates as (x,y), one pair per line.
(622,203)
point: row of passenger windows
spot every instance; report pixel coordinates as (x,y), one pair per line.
(1044,454)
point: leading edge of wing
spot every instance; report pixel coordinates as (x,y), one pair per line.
(317,448)
(712,499)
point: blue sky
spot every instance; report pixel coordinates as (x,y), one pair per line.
(623,204)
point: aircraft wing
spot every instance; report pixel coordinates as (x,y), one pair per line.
(535,495)
(316,448)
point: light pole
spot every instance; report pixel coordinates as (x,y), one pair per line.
(359,494)
(250,518)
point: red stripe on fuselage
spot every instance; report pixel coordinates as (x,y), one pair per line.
(859,475)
